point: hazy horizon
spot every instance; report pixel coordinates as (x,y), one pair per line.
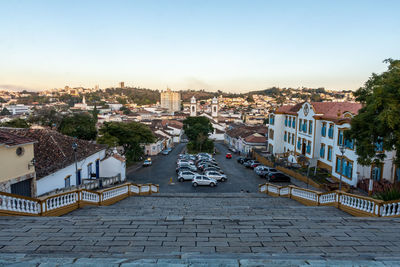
(232,46)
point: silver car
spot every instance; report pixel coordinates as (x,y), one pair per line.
(192,167)
(186,175)
(203,180)
(216,175)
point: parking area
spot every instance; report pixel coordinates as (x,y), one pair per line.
(239,178)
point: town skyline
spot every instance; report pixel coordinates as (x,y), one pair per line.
(229,46)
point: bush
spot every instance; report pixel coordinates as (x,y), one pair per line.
(208,146)
(388,195)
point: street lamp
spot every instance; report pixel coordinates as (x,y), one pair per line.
(75,147)
(342,150)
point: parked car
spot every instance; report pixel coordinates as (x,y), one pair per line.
(254,164)
(192,167)
(205,165)
(228,155)
(184,168)
(270,172)
(186,175)
(203,180)
(179,161)
(248,163)
(216,175)
(147,162)
(217,169)
(279,177)
(165,152)
(242,160)
(263,170)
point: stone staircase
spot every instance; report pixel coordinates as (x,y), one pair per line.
(200,229)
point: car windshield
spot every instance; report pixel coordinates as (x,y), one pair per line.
(272,170)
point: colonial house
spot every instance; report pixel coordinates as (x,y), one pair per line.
(316,131)
(173,128)
(17,170)
(245,138)
(62,161)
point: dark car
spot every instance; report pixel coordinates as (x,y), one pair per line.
(254,164)
(279,177)
(242,160)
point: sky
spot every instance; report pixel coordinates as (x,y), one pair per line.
(233,46)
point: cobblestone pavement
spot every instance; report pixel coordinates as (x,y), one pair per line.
(182,228)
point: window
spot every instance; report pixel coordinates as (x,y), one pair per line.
(292,139)
(290,122)
(322,151)
(329,153)
(305,126)
(67,181)
(289,135)
(308,148)
(300,124)
(271,134)
(299,143)
(376,172)
(323,129)
(397,174)
(340,137)
(379,146)
(272,120)
(285,136)
(344,167)
(286,120)
(89,170)
(294,123)
(330,131)
(310,127)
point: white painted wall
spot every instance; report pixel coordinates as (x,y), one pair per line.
(111,167)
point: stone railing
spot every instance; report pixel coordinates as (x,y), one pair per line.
(63,203)
(350,203)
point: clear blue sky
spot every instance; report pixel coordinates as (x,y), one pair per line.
(230,45)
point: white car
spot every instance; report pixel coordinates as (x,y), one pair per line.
(186,175)
(216,175)
(203,180)
(192,167)
(184,160)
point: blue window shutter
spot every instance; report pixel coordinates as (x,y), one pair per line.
(294,123)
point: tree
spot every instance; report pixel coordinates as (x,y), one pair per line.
(131,136)
(46,117)
(79,125)
(15,123)
(5,112)
(197,130)
(378,120)
(125,110)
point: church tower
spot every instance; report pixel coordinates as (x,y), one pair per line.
(193,107)
(214,107)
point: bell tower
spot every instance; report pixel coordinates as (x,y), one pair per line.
(214,107)
(193,107)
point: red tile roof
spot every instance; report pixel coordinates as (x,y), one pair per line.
(331,110)
(8,139)
(255,139)
(53,150)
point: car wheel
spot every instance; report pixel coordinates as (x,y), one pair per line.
(223,180)
(194,184)
(212,184)
(181,180)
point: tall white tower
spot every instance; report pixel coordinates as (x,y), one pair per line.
(193,107)
(214,107)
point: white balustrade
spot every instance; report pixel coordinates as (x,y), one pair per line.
(390,209)
(284,191)
(115,192)
(61,201)
(90,196)
(154,188)
(327,198)
(263,188)
(10,203)
(358,203)
(273,189)
(144,189)
(305,194)
(134,189)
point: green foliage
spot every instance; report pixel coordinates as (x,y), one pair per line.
(250,99)
(15,123)
(379,118)
(388,195)
(208,147)
(131,136)
(125,110)
(197,130)
(5,112)
(79,125)
(46,117)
